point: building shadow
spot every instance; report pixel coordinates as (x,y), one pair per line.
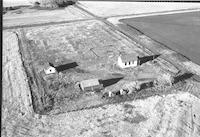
(109,82)
(182,77)
(145,59)
(64,67)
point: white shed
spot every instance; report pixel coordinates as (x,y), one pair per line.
(49,69)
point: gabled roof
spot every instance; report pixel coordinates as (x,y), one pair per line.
(89,83)
(46,66)
(128,57)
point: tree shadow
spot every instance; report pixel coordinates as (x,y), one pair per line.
(146,85)
(145,59)
(109,82)
(182,77)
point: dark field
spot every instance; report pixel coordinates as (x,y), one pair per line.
(180,32)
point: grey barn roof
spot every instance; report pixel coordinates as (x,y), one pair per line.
(128,57)
(89,83)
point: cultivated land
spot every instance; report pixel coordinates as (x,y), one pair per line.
(107,9)
(35,104)
(180,31)
(33,16)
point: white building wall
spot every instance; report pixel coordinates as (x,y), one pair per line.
(122,64)
(50,70)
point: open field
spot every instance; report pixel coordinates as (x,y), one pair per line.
(108,9)
(180,32)
(94,46)
(155,46)
(8,3)
(38,104)
(33,16)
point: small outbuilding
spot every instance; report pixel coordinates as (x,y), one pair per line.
(127,60)
(91,85)
(48,69)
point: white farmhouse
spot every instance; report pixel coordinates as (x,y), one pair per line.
(127,60)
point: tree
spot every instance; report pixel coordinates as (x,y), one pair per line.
(52,3)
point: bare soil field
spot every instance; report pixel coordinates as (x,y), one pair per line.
(108,9)
(29,15)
